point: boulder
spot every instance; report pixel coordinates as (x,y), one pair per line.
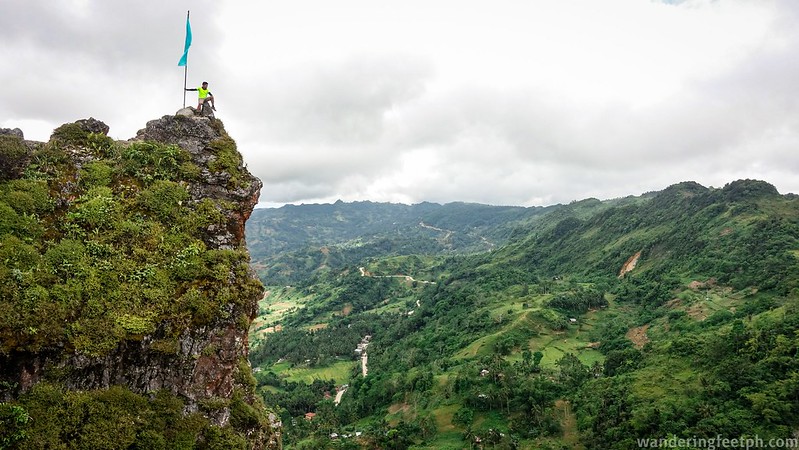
(93,125)
(11,132)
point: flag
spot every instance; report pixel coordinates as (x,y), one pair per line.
(185,56)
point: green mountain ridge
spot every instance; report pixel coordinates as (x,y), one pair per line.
(293,242)
(545,341)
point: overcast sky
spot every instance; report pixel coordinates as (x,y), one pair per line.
(505,102)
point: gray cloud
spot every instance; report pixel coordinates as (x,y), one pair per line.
(340,103)
(423,116)
(326,124)
(121,35)
(101,58)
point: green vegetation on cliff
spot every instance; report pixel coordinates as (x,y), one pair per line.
(121,292)
(99,253)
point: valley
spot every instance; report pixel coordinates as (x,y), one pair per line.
(590,325)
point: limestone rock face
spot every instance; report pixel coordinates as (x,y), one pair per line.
(12,132)
(207,363)
(199,136)
(93,125)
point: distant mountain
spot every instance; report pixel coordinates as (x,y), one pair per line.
(290,243)
(676,226)
(293,242)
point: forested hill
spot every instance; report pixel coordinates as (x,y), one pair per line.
(294,227)
(597,325)
(289,243)
(743,234)
(294,242)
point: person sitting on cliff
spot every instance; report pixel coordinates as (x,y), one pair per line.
(203,95)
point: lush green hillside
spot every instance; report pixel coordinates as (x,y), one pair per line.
(596,325)
(291,243)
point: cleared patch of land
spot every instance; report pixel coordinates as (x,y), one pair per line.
(638,336)
(276,303)
(339,372)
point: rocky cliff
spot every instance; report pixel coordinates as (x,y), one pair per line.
(125,282)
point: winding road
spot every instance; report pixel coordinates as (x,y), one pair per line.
(366,273)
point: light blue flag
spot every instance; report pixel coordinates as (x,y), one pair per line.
(185,56)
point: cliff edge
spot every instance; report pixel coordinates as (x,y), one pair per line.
(125,290)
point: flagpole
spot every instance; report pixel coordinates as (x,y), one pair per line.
(186,67)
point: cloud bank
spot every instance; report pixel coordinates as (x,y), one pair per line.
(501,103)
